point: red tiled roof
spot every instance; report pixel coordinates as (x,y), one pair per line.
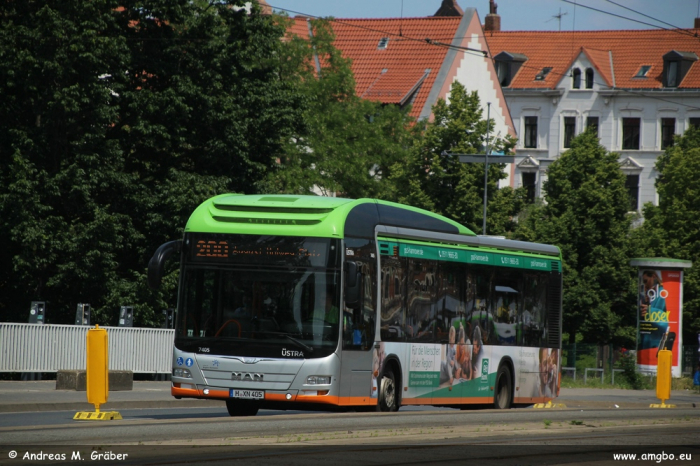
(394,86)
(390,74)
(630,50)
(602,62)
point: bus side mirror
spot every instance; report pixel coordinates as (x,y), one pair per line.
(353,280)
(157,262)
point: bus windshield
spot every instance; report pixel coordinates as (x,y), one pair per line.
(278,298)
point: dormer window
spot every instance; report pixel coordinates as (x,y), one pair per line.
(383,43)
(507,66)
(643,71)
(676,65)
(589,78)
(576,75)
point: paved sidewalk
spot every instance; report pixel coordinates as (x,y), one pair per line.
(16,396)
(619,398)
(42,395)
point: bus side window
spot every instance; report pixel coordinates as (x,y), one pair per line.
(393,300)
(359,324)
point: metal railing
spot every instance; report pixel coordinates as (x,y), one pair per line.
(50,348)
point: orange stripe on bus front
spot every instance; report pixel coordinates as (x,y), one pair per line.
(352,400)
(321,399)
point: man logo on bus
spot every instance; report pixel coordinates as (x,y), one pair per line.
(246,377)
(484,370)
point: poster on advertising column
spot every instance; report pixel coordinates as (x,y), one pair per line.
(659,312)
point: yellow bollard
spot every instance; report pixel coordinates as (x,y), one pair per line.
(97,376)
(663,379)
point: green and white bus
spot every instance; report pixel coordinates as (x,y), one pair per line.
(305,302)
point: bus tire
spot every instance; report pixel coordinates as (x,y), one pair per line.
(388,396)
(242,407)
(503,396)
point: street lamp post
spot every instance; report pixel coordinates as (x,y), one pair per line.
(486,164)
(483,158)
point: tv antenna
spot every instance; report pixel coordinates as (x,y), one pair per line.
(558,17)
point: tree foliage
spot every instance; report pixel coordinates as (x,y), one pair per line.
(585,214)
(348,144)
(672,229)
(119,118)
(442,184)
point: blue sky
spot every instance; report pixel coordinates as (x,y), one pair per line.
(517,15)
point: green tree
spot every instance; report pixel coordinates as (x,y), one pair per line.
(672,229)
(119,118)
(585,214)
(349,144)
(442,184)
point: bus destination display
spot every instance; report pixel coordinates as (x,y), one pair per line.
(266,250)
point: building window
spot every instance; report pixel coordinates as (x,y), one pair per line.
(569,130)
(503,72)
(592,124)
(542,75)
(630,133)
(531,132)
(668,130)
(632,185)
(507,66)
(643,70)
(676,66)
(589,78)
(672,74)
(577,79)
(530,185)
(694,122)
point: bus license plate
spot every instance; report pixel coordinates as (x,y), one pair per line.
(247,394)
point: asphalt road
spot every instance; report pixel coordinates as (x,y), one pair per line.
(520,436)
(156,429)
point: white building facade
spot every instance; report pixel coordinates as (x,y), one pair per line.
(635,94)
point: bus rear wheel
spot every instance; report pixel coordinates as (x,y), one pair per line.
(242,407)
(503,398)
(388,397)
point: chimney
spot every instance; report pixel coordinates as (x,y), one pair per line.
(492,22)
(697,23)
(449,8)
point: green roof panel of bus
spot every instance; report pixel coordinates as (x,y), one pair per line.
(293,215)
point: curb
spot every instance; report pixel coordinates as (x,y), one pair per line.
(176,404)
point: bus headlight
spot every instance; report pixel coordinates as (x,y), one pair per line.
(182,373)
(318,380)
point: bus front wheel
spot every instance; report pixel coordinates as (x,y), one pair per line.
(242,407)
(388,398)
(503,398)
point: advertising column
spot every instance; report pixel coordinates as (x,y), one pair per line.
(659,311)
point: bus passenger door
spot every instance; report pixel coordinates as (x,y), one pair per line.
(358,328)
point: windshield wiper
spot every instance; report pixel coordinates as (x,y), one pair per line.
(299,343)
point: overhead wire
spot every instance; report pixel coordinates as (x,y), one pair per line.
(679,31)
(642,14)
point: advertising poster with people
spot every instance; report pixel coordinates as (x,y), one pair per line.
(461,370)
(659,317)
